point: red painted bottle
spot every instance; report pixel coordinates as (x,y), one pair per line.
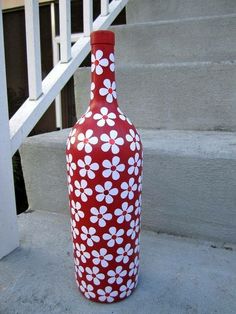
(104,168)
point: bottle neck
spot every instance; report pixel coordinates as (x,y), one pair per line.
(103,86)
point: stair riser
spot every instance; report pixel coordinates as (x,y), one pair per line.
(182,194)
(211,39)
(198,97)
(138,11)
(190,196)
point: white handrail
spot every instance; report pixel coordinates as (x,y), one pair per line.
(41,93)
(9,238)
(65,30)
(56,53)
(30,112)
(104,7)
(33,49)
(88,17)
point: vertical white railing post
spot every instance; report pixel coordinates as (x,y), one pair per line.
(55,54)
(88,16)
(33,49)
(65,30)
(104,7)
(9,237)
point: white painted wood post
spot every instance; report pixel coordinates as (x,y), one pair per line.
(9,237)
(104,7)
(33,49)
(65,30)
(56,53)
(88,17)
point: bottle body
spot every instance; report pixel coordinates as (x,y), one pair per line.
(104,167)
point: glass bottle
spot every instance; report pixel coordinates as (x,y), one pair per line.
(104,168)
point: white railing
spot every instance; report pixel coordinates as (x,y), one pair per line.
(41,93)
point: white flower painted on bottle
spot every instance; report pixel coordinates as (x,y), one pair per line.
(111,142)
(86,141)
(106,192)
(113,168)
(109,90)
(87,167)
(104,117)
(112,64)
(98,62)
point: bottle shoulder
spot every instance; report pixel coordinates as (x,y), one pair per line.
(105,129)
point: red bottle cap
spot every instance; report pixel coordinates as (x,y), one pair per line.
(102,37)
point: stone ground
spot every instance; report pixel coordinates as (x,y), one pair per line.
(178,275)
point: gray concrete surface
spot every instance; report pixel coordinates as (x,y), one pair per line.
(184,40)
(194,96)
(178,275)
(189,180)
(139,11)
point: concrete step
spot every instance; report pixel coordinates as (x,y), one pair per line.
(188,96)
(193,39)
(189,180)
(177,275)
(138,11)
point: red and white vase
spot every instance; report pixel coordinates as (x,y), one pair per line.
(104,167)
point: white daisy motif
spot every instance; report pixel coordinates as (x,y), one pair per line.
(140,185)
(111,142)
(136,279)
(86,141)
(114,236)
(75,210)
(135,164)
(129,189)
(100,216)
(107,294)
(116,276)
(134,267)
(112,64)
(87,167)
(126,289)
(89,235)
(106,192)
(98,63)
(138,204)
(124,212)
(121,114)
(104,117)
(123,117)
(124,253)
(70,165)
(91,91)
(87,114)
(101,257)
(134,228)
(137,245)
(78,268)
(81,253)
(70,186)
(113,168)
(82,190)
(71,138)
(134,140)
(74,230)
(109,90)
(94,275)
(87,290)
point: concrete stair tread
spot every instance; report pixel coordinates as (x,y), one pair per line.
(204,144)
(181,40)
(178,275)
(193,175)
(152,10)
(185,95)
